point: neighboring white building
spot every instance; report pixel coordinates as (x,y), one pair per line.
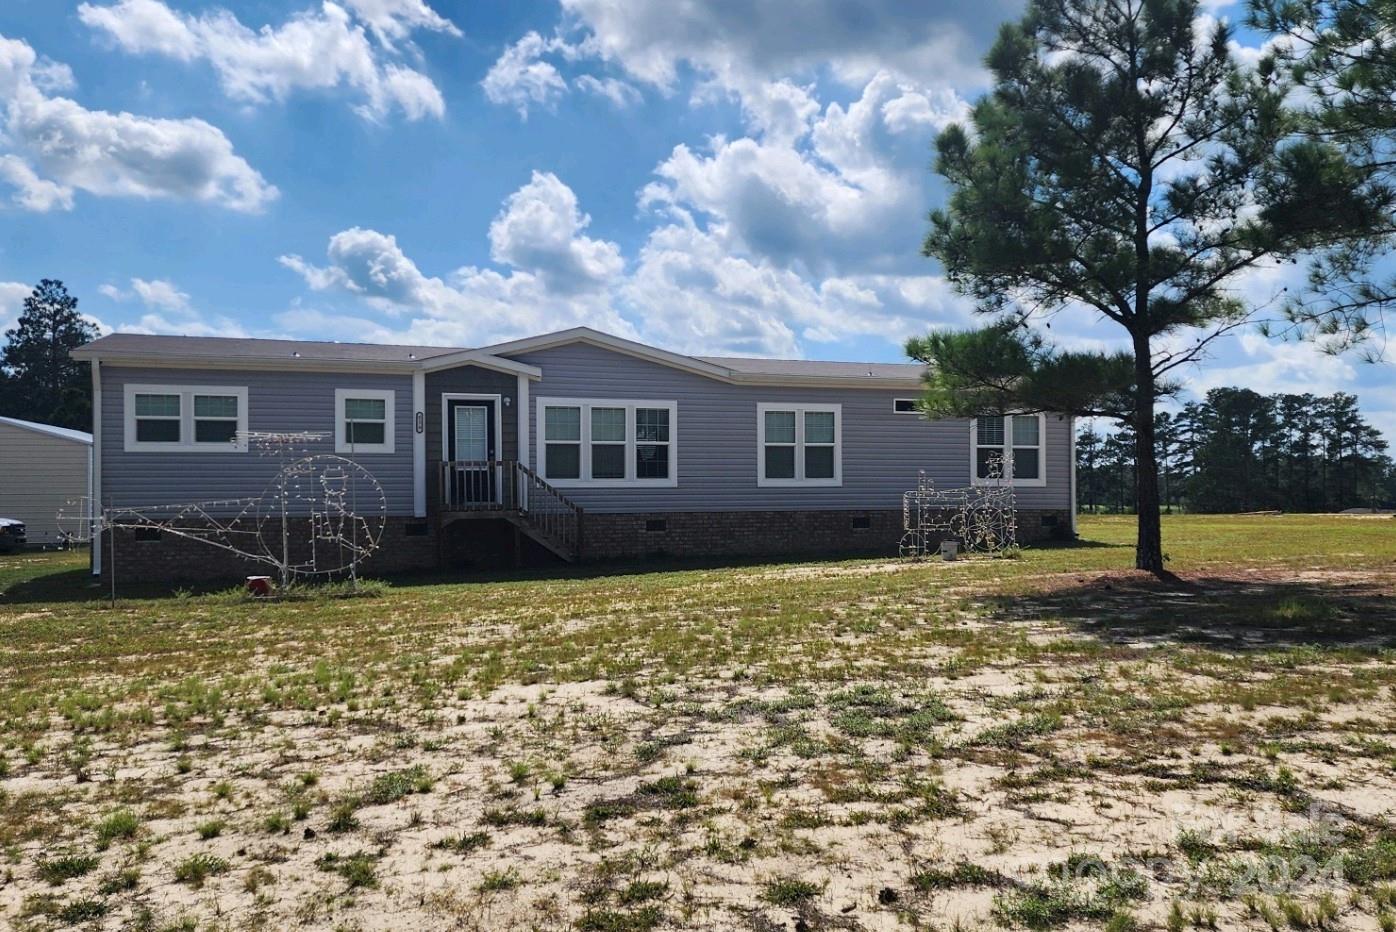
(43,470)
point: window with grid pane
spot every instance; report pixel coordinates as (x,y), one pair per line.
(608,443)
(562,435)
(158,418)
(819,444)
(215,418)
(1009,448)
(780,444)
(651,443)
(365,421)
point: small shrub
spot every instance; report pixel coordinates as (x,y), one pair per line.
(210,829)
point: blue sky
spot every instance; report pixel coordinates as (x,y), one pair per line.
(721,176)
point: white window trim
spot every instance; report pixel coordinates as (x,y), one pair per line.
(800,409)
(912,413)
(389,398)
(186,442)
(586,404)
(1007,449)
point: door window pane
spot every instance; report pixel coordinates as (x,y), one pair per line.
(780,462)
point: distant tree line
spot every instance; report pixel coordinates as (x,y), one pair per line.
(1239,451)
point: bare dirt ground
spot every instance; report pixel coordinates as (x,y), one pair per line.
(859,745)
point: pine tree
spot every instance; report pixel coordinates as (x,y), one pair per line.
(1123,163)
(44,383)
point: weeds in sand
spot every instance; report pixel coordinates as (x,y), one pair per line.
(464,843)
(197,868)
(605,920)
(62,868)
(496,881)
(358,869)
(210,829)
(120,824)
(122,881)
(790,891)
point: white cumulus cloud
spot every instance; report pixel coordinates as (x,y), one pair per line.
(686,291)
(318,49)
(522,79)
(54,146)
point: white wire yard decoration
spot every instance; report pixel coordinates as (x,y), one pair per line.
(983,518)
(320,514)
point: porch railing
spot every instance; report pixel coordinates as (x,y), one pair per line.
(514,489)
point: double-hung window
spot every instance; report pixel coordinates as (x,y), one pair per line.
(608,442)
(186,419)
(799,444)
(1009,449)
(364,420)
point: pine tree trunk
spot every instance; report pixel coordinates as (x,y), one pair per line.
(1148,551)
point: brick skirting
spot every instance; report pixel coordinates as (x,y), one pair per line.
(410,544)
(770,533)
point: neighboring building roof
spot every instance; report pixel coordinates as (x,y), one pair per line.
(134,348)
(62,433)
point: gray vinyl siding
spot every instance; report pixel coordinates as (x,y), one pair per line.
(276,401)
(41,475)
(468,380)
(717,435)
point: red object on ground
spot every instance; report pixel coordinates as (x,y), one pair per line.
(259,585)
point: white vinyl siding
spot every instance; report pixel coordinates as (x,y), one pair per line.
(799,444)
(608,442)
(185,419)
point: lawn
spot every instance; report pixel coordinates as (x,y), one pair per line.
(1050,741)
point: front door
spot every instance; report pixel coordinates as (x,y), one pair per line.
(470,441)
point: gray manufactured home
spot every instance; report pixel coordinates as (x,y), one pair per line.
(575,445)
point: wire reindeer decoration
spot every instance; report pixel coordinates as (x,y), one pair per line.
(320,514)
(983,518)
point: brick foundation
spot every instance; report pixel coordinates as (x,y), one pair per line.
(164,557)
(484,544)
(770,533)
